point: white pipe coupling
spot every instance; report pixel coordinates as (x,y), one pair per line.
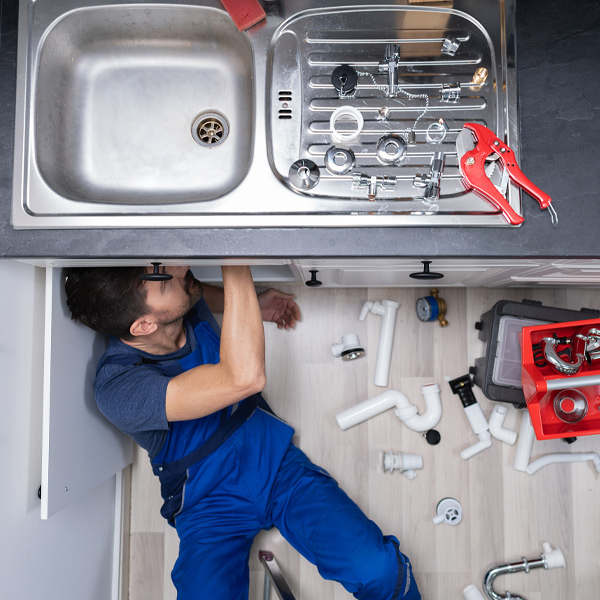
(407,464)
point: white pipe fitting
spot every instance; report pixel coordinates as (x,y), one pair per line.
(555,559)
(479,425)
(448,511)
(387,310)
(471,592)
(496,426)
(349,348)
(523,453)
(405,411)
(407,464)
(347,113)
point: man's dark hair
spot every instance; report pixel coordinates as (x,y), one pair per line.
(106,299)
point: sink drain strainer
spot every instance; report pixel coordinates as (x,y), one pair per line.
(210,129)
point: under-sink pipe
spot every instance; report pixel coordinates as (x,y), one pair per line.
(387,310)
(549,559)
(405,411)
(523,452)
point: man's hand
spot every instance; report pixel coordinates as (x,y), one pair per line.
(278,307)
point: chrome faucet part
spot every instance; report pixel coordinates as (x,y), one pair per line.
(548,346)
(339,161)
(437,131)
(390,149)
(389,65)
(383,113)
(304,174)
(430,183)
(550,559)
(570,406)
(450,46)
(341,114)
(373,183)
(450,92)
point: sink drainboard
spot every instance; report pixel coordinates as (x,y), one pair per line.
(381,95)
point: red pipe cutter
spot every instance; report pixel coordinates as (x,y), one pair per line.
(477,144)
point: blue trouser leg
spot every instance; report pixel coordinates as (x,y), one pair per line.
(248,486)
(330,530)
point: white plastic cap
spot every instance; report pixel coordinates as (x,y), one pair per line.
(554,558)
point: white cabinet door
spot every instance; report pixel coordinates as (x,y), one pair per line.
(396,273)
(81,449)
(580,273)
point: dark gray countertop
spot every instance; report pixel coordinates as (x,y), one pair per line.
(558,45)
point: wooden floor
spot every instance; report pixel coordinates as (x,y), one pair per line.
(507,514)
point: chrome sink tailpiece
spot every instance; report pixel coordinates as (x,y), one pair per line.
(137,114)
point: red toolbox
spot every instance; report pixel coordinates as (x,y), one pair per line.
(560,374)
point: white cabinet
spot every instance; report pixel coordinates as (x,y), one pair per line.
(396,272)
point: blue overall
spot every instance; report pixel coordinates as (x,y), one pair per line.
(221,488)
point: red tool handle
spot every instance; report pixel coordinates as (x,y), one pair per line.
(473,170)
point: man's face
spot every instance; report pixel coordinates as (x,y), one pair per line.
(171,300)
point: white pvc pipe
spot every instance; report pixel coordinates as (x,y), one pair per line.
(564,457)
(526,437)
(387,310)
(405,411)
(485,442)
(496,425)
(471,592)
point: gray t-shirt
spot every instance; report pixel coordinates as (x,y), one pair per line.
(133,397)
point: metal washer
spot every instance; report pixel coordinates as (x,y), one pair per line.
(304,174)
(398,146)
(339,161)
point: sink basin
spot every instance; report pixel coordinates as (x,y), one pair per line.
(143,104)
(136,114)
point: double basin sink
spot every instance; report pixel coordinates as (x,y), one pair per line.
(324,114)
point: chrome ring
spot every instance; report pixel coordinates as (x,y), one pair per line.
(304,174)
(436,132)
(339,161)
(390,149)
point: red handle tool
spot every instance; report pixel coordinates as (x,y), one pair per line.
(472,168)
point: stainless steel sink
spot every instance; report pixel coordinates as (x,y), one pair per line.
(143,105)
(136,114)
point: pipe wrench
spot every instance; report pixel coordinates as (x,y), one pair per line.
(475,145)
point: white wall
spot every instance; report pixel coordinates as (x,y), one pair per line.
(68,557)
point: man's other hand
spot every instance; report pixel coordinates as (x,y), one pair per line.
(278,307)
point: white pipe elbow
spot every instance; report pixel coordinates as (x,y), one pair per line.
(496,426)
(485,442)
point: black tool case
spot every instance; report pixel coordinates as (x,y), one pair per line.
(498,372)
